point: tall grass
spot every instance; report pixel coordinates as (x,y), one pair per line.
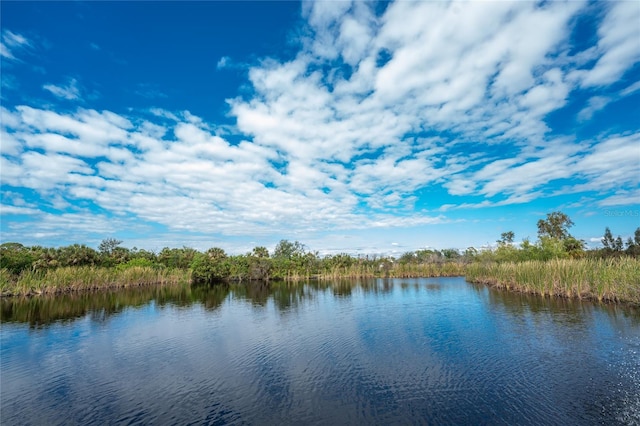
(68,279)
(396,270)
(423,270)
(613,279)
(601,279)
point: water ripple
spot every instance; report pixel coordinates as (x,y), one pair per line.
(406,352)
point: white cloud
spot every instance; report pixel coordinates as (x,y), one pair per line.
(613,163)
(462,186)
(69,91)
(88,125)
(609,164)
(12,42)
(224,188)
(5,52)
(223,62)
(9,144)
(334,138)
(630,89)
(426,84)
(618,45)
(595,104)
(72,226)
(623,198)
(17,210)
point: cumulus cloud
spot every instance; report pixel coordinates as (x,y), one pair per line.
(618,44)
(484,75)
(375,107)
(490,73)
(129,168)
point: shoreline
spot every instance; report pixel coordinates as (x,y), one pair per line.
(616,301)
(90,279)
(601,281)
(612,281)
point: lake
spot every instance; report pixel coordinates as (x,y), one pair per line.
(386,351)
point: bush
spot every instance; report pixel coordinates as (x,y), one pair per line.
(139,262)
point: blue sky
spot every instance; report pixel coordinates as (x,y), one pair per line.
(350,126)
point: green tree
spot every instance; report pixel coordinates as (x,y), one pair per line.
(239,267)
(556,225)
(15,257)
(287,249)
(633,245)
(574,247)
(506,238)
(407,257)
(211,266)
(45,258)
(216,253)
(259,264)
(108,245)
(470,254)
(143,254)
(506,253)
(630,243)
(428,256)
(77,255)
(529,251)
(336,263)
(260,252)
(607,240)
(451,254)
(618,244)
(177,258)
(290,259)
(551,248)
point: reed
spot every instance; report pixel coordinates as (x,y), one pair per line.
(613,279)
(397,270)
(69,279)
(421,270)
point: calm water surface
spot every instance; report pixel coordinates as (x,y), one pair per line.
(435,351)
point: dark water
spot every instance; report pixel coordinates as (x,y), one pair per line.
(424,351)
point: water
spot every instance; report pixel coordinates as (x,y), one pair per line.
(434,351)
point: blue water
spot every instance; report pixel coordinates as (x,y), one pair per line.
(398,351)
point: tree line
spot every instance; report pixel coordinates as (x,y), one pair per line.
(292,260)
(556,242)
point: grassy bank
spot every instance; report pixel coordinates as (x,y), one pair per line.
(72,279)
(615,280)
(396,270)
(69,279)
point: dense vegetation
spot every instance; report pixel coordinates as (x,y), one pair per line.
(29,270)
(615,279)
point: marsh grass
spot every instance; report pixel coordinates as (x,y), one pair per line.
(446,269)
(615,280)
(353,271)
(68,279)
(395,270)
